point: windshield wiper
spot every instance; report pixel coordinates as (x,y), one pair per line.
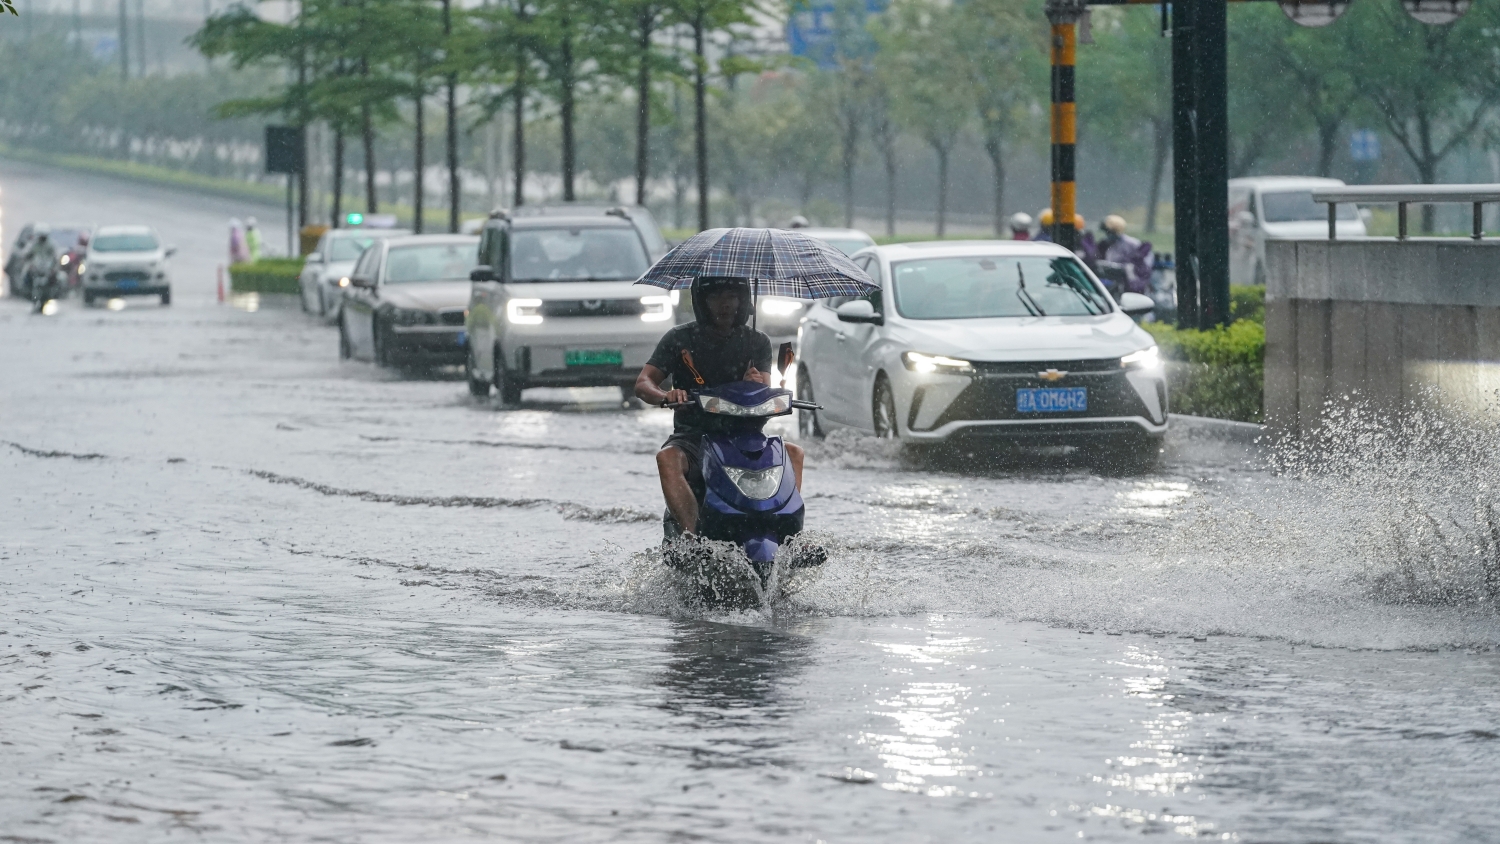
(1024,295)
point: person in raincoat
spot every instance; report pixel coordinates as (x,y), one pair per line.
(1020,226)
(1117,247)
(238,254)
(41,267)
(252,239)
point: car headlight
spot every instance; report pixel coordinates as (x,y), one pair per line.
(780,306)
(657,308)
(1147,358)
(524,311)
(758,484)
(64,260)
(918,362)
(724,407)
(344,282)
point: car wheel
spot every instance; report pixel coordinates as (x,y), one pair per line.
(302,297)
(88,299)
(345,351)
(479,386)
(166,298)
(322,303)
(507,385)
(809,425)
(883,408)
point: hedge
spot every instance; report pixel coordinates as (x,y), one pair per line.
(1219,372)
(268,275)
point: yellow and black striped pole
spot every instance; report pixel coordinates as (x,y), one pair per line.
(1063,16)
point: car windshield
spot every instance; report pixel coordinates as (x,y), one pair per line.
(579,254)
(848,246)
(1297,206)
(429,262)
(124,243)
(993,286)
(348,248)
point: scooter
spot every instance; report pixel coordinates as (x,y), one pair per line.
(747,494)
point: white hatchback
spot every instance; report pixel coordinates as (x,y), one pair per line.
(998,340)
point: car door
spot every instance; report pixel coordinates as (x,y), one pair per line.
(819,349)
(856,369)
(359,305)
(486,309)
(307,280)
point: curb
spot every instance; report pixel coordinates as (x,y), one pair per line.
(1207,427)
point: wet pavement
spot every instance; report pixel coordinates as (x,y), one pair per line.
(249,592)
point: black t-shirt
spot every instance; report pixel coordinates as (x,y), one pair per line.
(710,360)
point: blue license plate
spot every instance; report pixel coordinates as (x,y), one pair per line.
(128,282)
(463,337)
(1052,399)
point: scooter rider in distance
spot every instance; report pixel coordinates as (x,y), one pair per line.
(718,348)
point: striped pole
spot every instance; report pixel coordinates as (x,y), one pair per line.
(1063,16)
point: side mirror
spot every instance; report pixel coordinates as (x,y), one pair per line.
(362,281)
(785,357)
(859,311)
(1136,304)
(314,258)
(483,273)
(170,251)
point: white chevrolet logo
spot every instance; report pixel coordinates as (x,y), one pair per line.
(1052,375)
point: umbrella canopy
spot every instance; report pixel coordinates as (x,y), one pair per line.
(781,263)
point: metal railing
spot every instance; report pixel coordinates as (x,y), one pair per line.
(1404,195)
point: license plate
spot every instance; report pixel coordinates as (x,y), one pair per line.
(594,357)
(463,337)
(128,282)
(1052,399)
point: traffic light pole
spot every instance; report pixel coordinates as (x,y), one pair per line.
(1063,15)
(1200,160)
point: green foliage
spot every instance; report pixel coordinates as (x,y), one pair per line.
(268,275)
(1247,301)
(1218,373)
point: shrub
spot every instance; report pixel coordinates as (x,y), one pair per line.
(1219,373)
(268,275)
(1247,301)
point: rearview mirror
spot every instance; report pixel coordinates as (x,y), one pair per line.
(361,281)
(170,251)
(859,311)
(314,258)
(1136,304)
(483,273)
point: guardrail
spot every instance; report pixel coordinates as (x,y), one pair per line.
(1404,195)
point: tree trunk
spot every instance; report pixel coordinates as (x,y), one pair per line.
(850,152)
(455,198)
(518,143)
(700,116)
(1161,144)
(338,176)
(890,190)
(569,164)
(942,189)
(1328,129)
(995,149)
(643,109)
(1427,168)
(367,138)
(418,165)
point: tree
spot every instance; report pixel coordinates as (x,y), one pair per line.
(998,50)
(1433,86)
(1125,93)
(704,18)
(921,71)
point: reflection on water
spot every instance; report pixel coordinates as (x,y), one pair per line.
(929,717)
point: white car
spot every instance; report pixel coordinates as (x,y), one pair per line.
(554,304)
(126,261)
(325,273)
(1263,208)
(779,316)
(984,340)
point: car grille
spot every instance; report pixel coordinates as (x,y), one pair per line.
(1029,368)
(592,307)
(994,397)
(451,318)
(121,275)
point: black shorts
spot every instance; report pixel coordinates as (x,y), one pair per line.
(690,444)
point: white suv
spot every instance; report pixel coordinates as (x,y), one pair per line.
(126,261)
(554,304)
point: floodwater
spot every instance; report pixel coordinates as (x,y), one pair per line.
(250,593)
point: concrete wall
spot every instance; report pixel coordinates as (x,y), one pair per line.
(1380,321)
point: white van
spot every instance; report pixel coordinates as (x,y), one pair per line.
(1265,208)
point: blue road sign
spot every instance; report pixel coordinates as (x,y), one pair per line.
(1364,145)
(812,29)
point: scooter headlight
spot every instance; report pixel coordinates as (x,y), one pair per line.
(758,484)
(723,407)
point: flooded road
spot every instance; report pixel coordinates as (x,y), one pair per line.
(249,592)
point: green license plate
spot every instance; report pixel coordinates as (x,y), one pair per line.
(594,357)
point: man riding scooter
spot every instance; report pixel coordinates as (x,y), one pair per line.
(718,348)
(42,268)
